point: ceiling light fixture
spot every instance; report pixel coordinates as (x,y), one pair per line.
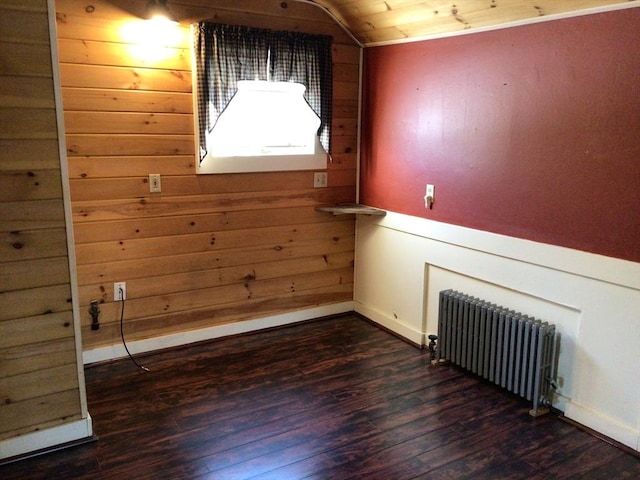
(158,10)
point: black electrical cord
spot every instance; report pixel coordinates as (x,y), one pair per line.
(141,367)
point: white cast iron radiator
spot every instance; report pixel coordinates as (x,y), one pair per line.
(510,349)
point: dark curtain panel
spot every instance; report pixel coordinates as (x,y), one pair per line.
(306,59)
(225,54)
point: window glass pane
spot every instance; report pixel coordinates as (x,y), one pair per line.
(265,118)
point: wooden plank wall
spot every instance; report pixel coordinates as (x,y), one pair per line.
(383,21)
(209,249)
(39,386)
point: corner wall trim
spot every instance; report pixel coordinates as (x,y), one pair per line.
(113,352)
(393,324)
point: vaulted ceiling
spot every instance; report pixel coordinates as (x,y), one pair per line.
(384,21)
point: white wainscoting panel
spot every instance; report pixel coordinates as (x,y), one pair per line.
(403,262)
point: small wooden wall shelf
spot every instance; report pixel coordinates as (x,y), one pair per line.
(352,208)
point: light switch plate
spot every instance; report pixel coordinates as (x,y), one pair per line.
(155,184)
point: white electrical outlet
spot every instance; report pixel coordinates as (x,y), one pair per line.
(430,191)
(155,184)
(429,196)
(320,179)
(117,295)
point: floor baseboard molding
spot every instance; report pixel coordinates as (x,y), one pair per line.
(606,426)
(394,326)
(47,440)
(114,352)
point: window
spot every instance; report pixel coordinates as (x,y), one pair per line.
(263,97)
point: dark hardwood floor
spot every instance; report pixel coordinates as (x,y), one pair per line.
(332,399)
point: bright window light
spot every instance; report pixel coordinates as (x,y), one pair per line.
(266,126)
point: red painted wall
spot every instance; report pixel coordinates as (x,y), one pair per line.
(532,132)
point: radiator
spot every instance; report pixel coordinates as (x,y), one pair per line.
(510,349)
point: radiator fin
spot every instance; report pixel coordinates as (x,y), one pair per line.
(508,348)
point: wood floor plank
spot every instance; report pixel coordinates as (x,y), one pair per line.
(333,399)
(407,442)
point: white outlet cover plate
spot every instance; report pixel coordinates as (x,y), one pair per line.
(430,190)
(116,291)
(320,179)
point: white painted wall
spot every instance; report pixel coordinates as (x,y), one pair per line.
(403,262)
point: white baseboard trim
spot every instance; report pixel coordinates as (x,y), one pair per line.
(606,426)
(113,352)
(392,324)
(47,438)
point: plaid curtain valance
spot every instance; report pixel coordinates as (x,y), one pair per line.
(225,54)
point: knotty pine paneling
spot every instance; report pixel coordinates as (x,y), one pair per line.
(33,301)
(113,188)
(39,383)
(210,241)
(132,144)
(27,385)
(20,217)
(223,296)
(128,123)
(42,153)
(32,185)
(216,315)
(209,249)
(29,25)
(28,123)
(25,59)
(58,350)
(115,100)
(130,166)
(203,278)
(197,223)
(28,273)
(26,92)
(36,241)
(102,210)
(386,21)
(36,413)
(119,54)
(215,262)
(125,78)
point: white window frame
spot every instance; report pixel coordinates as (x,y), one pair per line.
(260,163)
(267,162)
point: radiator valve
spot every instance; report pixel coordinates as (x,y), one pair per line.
(433,347)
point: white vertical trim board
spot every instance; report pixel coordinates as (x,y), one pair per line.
(66,192)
